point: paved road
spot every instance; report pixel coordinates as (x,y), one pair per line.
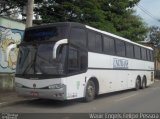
(146,100)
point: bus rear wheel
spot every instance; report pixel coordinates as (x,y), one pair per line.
(90,91)
(144,84)
(138,84)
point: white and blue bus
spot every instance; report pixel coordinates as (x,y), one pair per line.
(67,60)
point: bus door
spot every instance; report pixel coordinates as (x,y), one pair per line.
(77,66)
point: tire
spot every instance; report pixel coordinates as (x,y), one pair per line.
(90,91)
(143,84)
(138,84)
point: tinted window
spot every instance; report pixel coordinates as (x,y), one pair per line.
(73,64)
(108,45)
(144,53)
(49,33)
(39,60)
(129,50)
(98,44)
(120,48)
(137,52)
(94,42)
(148,55)
(78,36)
(91,41)
(151,55)
(83,60)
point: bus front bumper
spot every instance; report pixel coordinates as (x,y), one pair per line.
(57,94)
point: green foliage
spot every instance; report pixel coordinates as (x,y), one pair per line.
(115,16)
(121,15)
(154,35)
(7,7)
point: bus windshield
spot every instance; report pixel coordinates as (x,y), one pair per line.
(38,59)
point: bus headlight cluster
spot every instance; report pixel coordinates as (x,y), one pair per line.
(56,86)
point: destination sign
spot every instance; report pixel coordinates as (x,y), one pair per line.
(40,34)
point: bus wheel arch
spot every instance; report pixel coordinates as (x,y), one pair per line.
(144,82)
(138,83)
(93,84)
(96,84)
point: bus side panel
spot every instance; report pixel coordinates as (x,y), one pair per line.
(114,75)
(75,86)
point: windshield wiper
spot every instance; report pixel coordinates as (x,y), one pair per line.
(30,64)
(28,67)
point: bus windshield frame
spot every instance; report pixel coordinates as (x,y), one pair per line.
(36,53)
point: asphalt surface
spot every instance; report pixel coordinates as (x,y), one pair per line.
(144,100)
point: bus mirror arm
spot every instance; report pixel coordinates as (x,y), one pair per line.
(9,48)
(57,44)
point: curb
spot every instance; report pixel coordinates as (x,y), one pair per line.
(5,104)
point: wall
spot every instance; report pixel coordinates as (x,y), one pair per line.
(11,32)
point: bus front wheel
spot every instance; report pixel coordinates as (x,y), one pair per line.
(90,91)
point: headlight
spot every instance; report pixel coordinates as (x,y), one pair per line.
(56,86)
(18,85)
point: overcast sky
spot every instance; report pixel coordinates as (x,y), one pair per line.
(152,7)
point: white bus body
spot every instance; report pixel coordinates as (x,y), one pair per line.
(109,73)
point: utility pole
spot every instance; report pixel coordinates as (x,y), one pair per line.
(30,6)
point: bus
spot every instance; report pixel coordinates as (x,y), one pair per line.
(68,60)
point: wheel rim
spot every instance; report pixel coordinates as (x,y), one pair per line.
(137,84)
(90,91)
(144,84)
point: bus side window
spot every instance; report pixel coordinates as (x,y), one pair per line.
(91,41)
(73,63)
(78,36)
(109,45)
(77,60)
(151,55)
(83,61)
(137,52)
(120,48)
(98,44)
(143,52)
(94,42)
(148,56)
(129,50)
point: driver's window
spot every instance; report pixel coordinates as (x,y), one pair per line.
(61,53)
(73,63)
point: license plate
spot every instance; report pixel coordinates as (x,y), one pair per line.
(34,94)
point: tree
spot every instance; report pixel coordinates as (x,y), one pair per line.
(115,16)
(9,7)
(154,38)
(121,15)
(154,35)
(84,11)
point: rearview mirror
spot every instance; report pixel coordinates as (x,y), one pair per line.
(57,44)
